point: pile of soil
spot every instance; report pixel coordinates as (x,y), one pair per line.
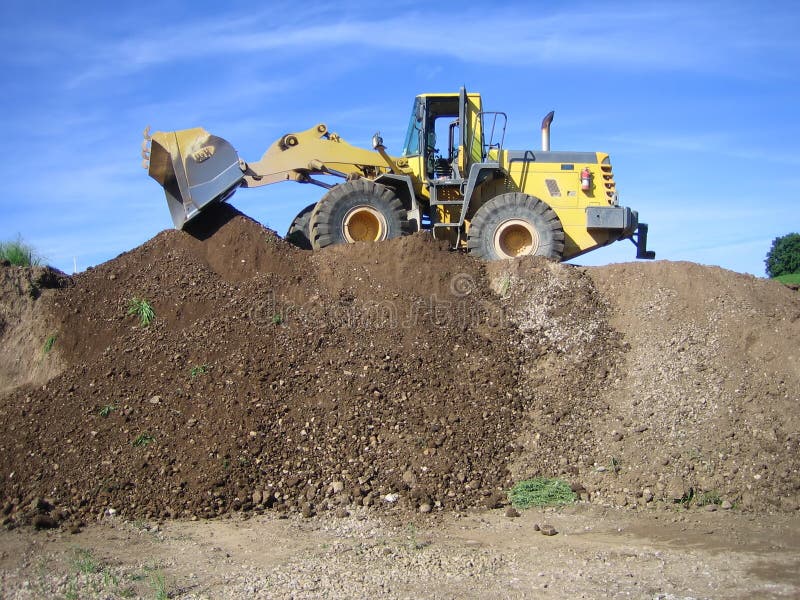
(397,375)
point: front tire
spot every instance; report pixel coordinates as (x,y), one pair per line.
(299,233)
(357,211)
(513,225)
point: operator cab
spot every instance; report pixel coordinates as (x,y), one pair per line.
(434,133)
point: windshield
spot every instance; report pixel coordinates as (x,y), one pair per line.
(411,147)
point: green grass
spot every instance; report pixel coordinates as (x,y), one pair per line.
(706,498)
(143,440)
(142,309)
(19,253)
(107,410)
(199,370)
(277,319)
(84,562)
(789,278)
(157,583)
(48,343)
(541,491)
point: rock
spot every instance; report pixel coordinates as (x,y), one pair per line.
(424,508)
(676,489)
(536,527)
(711,507)
(40,505)
(548,530)
(258,497)
(494,500)
(726,505)
(409,478)
(337,486)
(578,488)
(647,495)
(512,512)
(616,436)
(341,513)
(44,522)
(307,511)
(155,400)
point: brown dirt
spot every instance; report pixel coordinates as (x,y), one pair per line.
(397,376)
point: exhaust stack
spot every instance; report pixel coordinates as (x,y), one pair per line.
(546,131)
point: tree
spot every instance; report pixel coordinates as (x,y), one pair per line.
(784,256)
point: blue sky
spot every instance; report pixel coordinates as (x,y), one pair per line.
(698,104)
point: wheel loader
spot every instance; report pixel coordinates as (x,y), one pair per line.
(453,177)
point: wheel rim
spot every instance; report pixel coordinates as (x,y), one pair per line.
(364,224)
(516,237)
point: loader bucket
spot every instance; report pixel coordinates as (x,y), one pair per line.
(195,169)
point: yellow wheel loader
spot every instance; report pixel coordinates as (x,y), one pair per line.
(453,177)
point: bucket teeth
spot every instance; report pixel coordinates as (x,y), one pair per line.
(146,148)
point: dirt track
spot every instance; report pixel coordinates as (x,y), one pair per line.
(281,381)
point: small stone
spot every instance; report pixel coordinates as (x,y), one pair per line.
(258,496)
(337,486)
(647,495)
(536,527)
(424,508)
(155,400)
(75,528)
(726,505)
(616,436)
(711,507)
(512,512)
(308,511)
(641,429)
(341,513)
(548,530)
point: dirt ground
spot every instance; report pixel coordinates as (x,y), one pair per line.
(348,422)
(597,553)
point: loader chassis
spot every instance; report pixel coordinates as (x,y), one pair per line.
(453,177)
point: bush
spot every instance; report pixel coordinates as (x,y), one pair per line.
(19,253)
(783,257)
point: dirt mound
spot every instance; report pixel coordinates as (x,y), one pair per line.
(397,375)
(707,398)
(25,327)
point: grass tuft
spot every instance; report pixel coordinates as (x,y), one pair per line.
(142,309)
(198,370)
(143,440)
(19,253)
(541,491)
(48,343)
(84,562)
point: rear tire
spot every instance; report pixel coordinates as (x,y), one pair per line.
(299,233)
(357,211)
(513,225)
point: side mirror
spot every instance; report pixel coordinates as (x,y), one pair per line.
(377,141)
